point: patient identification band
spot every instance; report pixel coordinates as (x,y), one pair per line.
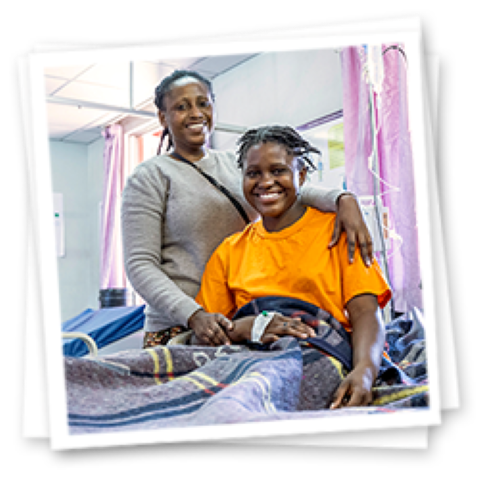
(260,323)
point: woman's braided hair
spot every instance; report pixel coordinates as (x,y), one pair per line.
(166,85)
(282,135)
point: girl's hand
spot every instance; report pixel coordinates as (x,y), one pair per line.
(210,328)
(350,219)
(356,388)
(280,326)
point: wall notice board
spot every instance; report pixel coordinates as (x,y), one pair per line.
(328,138)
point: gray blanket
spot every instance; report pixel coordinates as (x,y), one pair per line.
(179,386)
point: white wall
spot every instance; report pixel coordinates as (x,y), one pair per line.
(95,191)
(288,88)
(77,174)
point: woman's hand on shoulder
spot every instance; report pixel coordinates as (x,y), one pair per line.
(350,218)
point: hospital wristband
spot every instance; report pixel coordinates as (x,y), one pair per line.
(260,323)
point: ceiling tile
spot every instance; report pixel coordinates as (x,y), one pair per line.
(177,63)
(52,84)
(109,84)
(150,107)
(111,74)
(218,64)
(96,93)
(69,118)
(66,72)
(146,76)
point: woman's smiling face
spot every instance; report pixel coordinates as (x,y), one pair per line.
(188,113)
(271,184)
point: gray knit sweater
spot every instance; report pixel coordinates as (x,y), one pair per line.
(172,221)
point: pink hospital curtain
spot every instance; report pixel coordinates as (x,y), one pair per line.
(395,161)
(112,273)
(121,154)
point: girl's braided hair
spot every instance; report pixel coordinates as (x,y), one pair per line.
(282,135)
(166,85)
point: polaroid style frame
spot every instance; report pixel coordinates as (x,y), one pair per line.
(44,236)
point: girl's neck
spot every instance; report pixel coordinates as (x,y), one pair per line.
(287,219)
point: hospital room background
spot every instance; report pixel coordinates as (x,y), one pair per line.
(102,122)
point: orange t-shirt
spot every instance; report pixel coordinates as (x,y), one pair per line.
(295,262)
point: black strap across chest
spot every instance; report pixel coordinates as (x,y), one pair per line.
(220,187)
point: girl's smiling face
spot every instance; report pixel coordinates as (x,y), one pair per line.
(188,113)
(271,184)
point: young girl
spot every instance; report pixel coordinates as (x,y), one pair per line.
(286,254)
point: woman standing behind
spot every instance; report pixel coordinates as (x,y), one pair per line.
(173,218)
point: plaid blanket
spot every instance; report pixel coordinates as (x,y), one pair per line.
(179,385)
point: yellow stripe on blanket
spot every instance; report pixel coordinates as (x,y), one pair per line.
(337,365)
(156,365)
(200,385)
(169,371)
(208,379)
(399,395)
(168,362)
(188,378)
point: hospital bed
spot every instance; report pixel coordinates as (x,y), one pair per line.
(112,330)
(178,385)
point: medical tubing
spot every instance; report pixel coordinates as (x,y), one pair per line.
(376,191)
